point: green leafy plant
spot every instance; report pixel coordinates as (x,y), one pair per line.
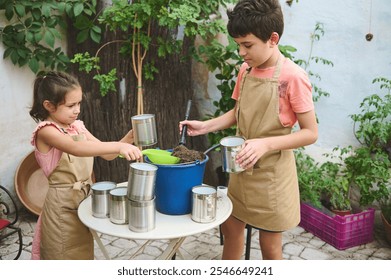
(315,36)
(370,173)
(226,61)
(34,29)
(309,177)
(372,162)
(337,179)
(372,126)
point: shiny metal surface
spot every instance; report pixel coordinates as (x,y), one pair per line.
(144,130)
(230,147)
(141,181)
(142,215)
(204,202)
(100,198)
(119,206)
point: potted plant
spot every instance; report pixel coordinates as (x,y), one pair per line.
(372,126)
(372,164)
(327,186)
(337,182)
(309,178)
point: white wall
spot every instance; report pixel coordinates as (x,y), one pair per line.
(15,123)
(356,63)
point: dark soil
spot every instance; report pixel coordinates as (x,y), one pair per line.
(187,155)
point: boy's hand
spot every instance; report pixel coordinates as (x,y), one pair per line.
(252,151)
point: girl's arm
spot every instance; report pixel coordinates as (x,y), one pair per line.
(255,148)
(128,138)
(49,136)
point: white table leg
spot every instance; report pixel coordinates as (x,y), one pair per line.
(172,248)
(100,244)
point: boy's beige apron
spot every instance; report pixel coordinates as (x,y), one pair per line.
(64,237)
(267,195)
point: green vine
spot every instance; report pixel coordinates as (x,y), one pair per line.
(34,30)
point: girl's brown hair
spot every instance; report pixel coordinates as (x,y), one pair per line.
(53,86)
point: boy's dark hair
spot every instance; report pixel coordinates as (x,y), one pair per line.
(258,17)
(53,86)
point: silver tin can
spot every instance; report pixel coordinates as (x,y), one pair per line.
(230,147)
(141,181)
(144,130)
(100,198)
(142,215)
(118,205)
(204,203)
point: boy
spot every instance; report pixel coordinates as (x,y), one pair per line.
(272,94)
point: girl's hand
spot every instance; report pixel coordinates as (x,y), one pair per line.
(130,152)
(252,151)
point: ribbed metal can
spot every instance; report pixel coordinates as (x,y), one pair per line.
(119,205)
(100,198)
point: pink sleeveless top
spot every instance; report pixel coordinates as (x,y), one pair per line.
(48,161)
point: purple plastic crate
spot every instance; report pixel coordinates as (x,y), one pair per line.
(342,232)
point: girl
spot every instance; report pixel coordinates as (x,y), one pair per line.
(64,149)
(272,94)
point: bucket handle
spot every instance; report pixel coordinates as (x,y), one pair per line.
(212,148)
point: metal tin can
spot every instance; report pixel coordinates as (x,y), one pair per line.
(141,181)
(118,206)
(142,215)
(230,147)
(144,130)
(100,198)
(204,203)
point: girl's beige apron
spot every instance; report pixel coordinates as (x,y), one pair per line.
(64,237)
(267,195)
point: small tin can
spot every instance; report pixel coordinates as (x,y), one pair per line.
(204,203)
(142,215)
(230,147)
(118,206)
(144,129)
(100,198)
(141,181)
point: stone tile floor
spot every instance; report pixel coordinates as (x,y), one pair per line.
(298,244)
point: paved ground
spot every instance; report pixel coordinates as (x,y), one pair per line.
(298,245)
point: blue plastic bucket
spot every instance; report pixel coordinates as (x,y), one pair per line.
(174,183)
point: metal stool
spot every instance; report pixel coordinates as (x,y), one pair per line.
(9,225)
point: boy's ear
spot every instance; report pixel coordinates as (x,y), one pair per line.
(274,38)
(49,106)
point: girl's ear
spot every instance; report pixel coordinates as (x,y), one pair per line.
(274,38)
(49,106)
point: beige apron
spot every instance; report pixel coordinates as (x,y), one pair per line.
(64,236)
(267,195)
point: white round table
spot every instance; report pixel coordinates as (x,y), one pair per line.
(172,227)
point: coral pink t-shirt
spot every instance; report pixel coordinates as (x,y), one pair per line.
(295,89)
